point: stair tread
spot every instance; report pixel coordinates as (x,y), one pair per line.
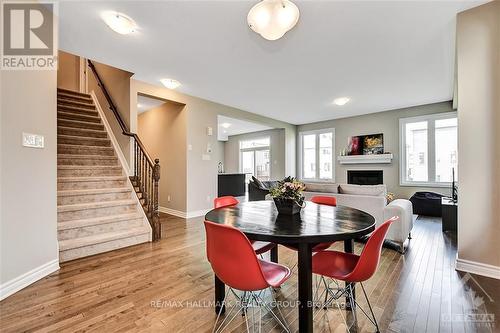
(76,110)
(80,129)
(72,92)
(72,224)
(65,99)
(92,205)
(86,167)
(81,115)
(61,94)
(80,122)
(78,137)
(67,145)
(95,157)
(93,191)
(90,178)
(100,238)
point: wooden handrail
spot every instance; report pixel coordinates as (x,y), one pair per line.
(146,171)
(114,109)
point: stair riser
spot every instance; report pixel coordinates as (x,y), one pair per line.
(72,93)
(78,111)
(78,117)
(74,103)
(98,229)
(87,161)
(96,212)
(76,199)
(91,185)
(81,132)
(75,98)
(102,247)
(89,172)
(84,141)
(73,124)
(83,150)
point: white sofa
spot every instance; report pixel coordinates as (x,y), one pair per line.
(373,200)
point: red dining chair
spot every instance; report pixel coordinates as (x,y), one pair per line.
(241,269)
(324,200)
(320,200)
(352,268)
(258,246)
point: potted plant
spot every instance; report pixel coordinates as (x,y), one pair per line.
(287,196)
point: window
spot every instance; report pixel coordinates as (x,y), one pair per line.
(255,158)
(317,151)
(428,147)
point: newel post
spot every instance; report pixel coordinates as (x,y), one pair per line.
(156,213)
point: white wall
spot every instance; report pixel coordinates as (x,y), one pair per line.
(478,55)
(382,122)
(28,226)
(202,174)
(278,151)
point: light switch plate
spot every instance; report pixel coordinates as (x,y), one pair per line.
(33,140)
(205,157)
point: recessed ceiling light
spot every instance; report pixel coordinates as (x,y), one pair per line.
(139,105)
(341,100)
(170,83)
(226,125)
(224,131)
(119,22)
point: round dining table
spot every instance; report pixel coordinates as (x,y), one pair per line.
(260,221)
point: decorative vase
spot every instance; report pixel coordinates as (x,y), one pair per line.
(288,206)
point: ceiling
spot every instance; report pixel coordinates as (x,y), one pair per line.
(382,54)
(227,126)
(145,103)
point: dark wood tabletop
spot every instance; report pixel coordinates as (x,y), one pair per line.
(259,220)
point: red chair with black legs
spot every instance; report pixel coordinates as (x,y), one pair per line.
(240,269)
(258,246)
(324,200)
(320,200)
(352,268)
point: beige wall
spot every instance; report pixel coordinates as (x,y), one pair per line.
(382,122)
(478,52)
(202,174)
(278,150)
(117,83)
(163,132)
(68,72)
(28,209)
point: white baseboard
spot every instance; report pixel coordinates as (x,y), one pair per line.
(477,268)
(181,214)
(10,287)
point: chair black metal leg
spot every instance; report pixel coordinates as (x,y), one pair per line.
(370,307)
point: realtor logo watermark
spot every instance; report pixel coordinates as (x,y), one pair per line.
(29,35)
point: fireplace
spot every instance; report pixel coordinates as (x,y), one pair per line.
(365,177)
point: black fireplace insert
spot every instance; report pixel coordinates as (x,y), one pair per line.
(365,177)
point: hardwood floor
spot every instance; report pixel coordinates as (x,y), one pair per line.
(168,286)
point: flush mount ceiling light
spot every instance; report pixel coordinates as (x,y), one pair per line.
(273,18)
(170,83)
(341,101)
(119,22)
(226,125)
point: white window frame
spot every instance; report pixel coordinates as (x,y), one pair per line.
(431,149)
(241,150)
(301,158)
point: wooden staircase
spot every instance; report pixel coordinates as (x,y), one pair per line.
(98,210)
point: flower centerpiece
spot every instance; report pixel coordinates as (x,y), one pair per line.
(287,196)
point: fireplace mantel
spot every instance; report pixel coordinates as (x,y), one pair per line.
(365,159)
